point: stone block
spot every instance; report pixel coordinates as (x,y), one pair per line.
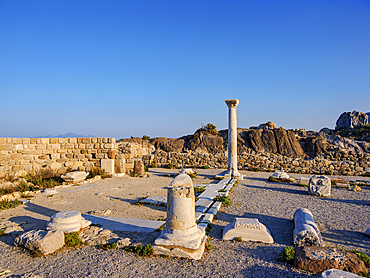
(67,221)
(304,181)
(319,186)
(76,176)
(335,273)
(139,167)
(306,232)
(249,229)
(46,242)
(119,166)
(317,259)
(107,165)
(280,175)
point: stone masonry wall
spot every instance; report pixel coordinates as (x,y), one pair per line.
(351,165)
(19,156)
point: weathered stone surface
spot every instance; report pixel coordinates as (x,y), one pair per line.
(306,232)
(314,145)
(67,221)
(317,259)
(280,175)
(248,229)
(181,236)
(335,273)
(44,241)
(168,145)
(107,165)
(351,120)
(76,176)
(206,143)
(139,167)
(319,186)
(268,125)
(187,171)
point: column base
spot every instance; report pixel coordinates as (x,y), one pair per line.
(230,174)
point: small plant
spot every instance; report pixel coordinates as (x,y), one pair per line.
(108,246)
(198,189)
(206,167)
(6,204)
(2,231)
(72,239)
(36,253)
(254,169)
(363,257)
(161,219)
(193,175)
(209,228)
(223,199)
(222,190)
(95,171)
(238,239)
(146,137)
(144,251)
(23,186)
(217,178)
(272,179)
(287,255)
(208,245)
(169,166)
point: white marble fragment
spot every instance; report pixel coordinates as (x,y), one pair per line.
(319,186)
(280,175)
(76,176)
(336,273)
(249,229)
(67,221)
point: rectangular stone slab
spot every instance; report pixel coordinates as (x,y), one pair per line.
(155,200)
(124,224)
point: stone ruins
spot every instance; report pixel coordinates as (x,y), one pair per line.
(181,236)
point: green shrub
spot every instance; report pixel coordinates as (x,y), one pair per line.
(169,166)
(254,169)
(209,228)
(238,239)
(206,167)
(198,189)
(272,179)
(108,246)
(363,257)
(144,251)
(6,204)
(223,199)
(2,231)
(44,178)
(72,239)
(208,245)
(146,137)
(287,255)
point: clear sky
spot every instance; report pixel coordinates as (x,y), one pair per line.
(161,68)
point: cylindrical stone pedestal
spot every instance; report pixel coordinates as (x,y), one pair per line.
(181,236)
(232,139)
(306,232)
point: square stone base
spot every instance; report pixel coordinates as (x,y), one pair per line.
(181,252)
(230,174)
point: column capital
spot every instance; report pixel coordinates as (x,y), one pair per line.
(232,102)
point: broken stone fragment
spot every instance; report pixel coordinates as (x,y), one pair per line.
(67,221)
(44,241)
(317,259)
(280,175)
(76,176)
(249,229)
(306,232)
(181,236)
(319,186)
(335,273)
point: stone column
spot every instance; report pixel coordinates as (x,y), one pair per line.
(233,140)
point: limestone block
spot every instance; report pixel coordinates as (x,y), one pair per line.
(319,186)
(119,166)
(304,181)
(187,171)
(67,221)
(306,232)
(139,167)
(335,273)
(280,175)
(107,165)
(181,236)
(249,229)
(45,241)
(76,176)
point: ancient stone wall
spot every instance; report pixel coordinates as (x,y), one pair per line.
(21,155)
(351,164)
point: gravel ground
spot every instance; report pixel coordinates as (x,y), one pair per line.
(342,219)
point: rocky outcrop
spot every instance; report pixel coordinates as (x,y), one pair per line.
(168,144)
(278,141)
(314,145)
(351,120)
(206,144)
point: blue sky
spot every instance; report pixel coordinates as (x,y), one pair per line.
(161,68)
